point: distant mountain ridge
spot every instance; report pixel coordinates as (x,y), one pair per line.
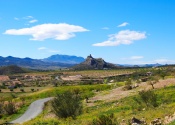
(32,63)
(64,59)
(94,63)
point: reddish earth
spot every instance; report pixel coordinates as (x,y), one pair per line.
(4,78)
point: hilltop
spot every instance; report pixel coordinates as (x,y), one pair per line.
(94,63)
(6,70)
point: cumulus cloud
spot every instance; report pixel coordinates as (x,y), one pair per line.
(61,31)
(33,21)
(123,24)
(136,57)
(123,37)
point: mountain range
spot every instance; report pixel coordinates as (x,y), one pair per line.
(64,61)
(52,62)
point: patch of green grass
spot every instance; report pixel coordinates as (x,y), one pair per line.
(172,123)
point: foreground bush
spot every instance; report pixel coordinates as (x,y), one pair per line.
(105,120)
(67,104)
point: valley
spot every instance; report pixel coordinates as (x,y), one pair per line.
(103,93)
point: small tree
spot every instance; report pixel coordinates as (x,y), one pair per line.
(152,82)
(67,104)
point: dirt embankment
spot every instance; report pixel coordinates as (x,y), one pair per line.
(118,93)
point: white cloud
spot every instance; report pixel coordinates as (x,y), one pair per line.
(105,28)
(61,31)
(48,50)
(123,24)
(42,48)
(33,21)
(136,57)
(123,37)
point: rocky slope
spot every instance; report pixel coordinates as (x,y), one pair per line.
(94,63)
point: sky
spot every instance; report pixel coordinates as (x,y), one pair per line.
(119,31)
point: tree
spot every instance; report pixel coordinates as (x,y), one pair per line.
(163,74)
(152,82)
(67,104)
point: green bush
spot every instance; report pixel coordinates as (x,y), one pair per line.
(105,120)
(67,104)
(149,98)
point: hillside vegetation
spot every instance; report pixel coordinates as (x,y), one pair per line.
(13,69)
(146,94)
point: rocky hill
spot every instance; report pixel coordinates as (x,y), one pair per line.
(94,63)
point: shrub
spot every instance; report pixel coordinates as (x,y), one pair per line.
(105,120)
(11,90)
(67,104)
(10,108)
(32,90)
(22,90)
(1,108)
(128,85)
(13,95)
(149,98)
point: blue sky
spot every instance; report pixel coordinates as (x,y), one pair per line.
(119,31)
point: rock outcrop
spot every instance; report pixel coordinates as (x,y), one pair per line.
(94,63)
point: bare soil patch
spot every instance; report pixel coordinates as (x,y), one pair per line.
(118,93)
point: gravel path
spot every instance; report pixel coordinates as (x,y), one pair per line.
(34,109)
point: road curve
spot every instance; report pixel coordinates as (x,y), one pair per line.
(34,110)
